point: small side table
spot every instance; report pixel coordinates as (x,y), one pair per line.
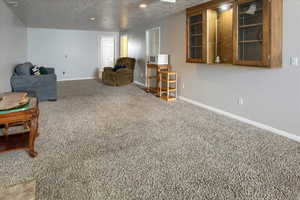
(25,139)
(157,68)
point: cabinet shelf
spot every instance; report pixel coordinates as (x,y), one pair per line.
(250,41)
(195,23)
(251,25)
(196,34)
(245,13)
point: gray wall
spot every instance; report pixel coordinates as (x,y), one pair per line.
(272,96)
(13,41)
(74,52)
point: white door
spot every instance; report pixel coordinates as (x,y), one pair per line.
(152,45)
(107,51)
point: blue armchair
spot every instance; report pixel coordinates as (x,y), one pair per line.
(44,87)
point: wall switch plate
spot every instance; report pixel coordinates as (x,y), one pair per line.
(183,85)
(241,101)
(294,61)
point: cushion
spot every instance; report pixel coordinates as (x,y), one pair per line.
(117,67)
(43,71)
(23,69)
(35,70)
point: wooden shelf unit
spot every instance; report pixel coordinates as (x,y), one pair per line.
(251,35)
(168,85)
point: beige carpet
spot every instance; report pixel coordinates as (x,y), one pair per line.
(22,191)
(100,142)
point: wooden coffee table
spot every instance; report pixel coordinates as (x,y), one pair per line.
(27,120)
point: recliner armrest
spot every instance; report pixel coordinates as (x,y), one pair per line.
(108,69)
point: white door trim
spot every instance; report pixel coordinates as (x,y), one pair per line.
(147,47)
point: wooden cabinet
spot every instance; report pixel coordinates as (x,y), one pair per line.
(257,33)
(241,32)
(195,36)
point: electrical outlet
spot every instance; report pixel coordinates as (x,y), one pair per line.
(294,61)
(241,101)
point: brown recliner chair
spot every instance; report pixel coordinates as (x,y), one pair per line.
(122,76)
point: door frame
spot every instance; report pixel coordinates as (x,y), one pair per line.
(147,49)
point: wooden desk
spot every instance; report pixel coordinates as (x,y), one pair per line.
(25,139)
(158,69)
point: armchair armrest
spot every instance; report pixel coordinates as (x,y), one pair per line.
(51,70)
(108,69)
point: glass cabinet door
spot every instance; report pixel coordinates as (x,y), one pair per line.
(251,32)
(195,38)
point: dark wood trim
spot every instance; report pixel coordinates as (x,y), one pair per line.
(276,36)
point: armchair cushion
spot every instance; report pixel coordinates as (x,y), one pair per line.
(24,69)
(43,71)
(117,67)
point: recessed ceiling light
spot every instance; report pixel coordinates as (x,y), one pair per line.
(92,18)
(143,5)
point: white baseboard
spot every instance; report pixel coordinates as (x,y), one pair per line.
(139,83)
(77,79)
(242,119)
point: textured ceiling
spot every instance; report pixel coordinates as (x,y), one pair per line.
(111,15)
